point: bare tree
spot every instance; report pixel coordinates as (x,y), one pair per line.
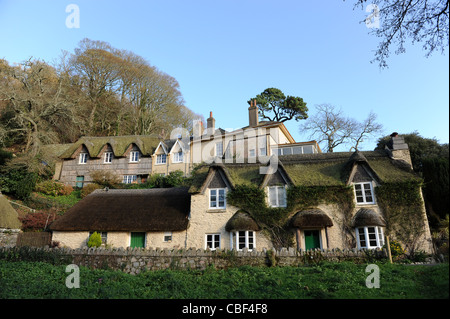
(331,126)
(37,102)
(365,129)
(422,21)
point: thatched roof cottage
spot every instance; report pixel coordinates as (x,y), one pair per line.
(332,200)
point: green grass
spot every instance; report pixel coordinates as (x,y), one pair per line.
(328,280)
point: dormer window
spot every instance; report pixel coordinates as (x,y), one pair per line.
(161,159)
(178,157)
(364,193)
(108,157)
(217,198)
(83,158)
(277,196)
(134,156)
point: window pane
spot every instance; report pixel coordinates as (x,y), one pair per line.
(213,198)
(362,238)
(281,196)
(308,149)
(273,196)
(358,193)
(250,240)
(219,149)
(216,241)
(298,150)
(221,198)
(380,236)
(241,238)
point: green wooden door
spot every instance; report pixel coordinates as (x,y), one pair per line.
(312,240)
(137,240)
(80,181)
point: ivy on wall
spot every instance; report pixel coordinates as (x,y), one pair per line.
(275,220)
(402,206)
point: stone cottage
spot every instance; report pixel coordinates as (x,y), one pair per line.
(134,158)
(127,218)
(309,201)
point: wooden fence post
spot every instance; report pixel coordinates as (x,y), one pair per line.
(388,246)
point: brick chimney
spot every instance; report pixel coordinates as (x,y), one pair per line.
(211,124)
(253,120)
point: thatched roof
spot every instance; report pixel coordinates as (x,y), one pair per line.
(368,217)
(119,144)
(9,218)
(162,209)
(241,220)
(320,169)
(311,218)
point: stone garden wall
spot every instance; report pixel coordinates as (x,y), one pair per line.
(134,261)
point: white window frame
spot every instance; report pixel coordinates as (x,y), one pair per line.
(159,159)
(363,193)
(168,236)
(108,158)
(134,156)
(252,152)
(379,237)
(217,237)
(263,151)
(246,235)
(219,149)
(277,189)
(217,204)
(83,158)
(129,179)
(178,157)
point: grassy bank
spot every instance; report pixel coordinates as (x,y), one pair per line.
(328,280)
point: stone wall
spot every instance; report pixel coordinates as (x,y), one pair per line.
(70,169)
(134,261)
(8,237)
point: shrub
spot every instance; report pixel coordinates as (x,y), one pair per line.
(18,182)
(105,178)
(95,240)
(53,188)
(37,221)
(89,188)
(396,249)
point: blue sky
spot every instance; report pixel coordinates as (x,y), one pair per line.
(223,52)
